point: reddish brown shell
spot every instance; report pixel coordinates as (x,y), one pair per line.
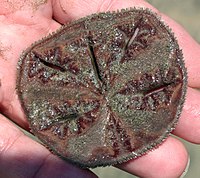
(104,89)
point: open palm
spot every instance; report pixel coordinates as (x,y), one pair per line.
(24,21)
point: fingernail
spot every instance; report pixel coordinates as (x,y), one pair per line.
(186,168)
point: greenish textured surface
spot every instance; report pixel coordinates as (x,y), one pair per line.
(186,13)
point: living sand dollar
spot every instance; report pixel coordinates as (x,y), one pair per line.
(105,88)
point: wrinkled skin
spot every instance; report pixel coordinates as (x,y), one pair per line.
(23,22)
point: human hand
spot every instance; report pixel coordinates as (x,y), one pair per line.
(23,23)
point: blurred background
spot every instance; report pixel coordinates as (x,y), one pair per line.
(186,13)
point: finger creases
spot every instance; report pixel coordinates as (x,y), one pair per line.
(188,126)
(168,160)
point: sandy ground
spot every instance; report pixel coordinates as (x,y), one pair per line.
(186,13)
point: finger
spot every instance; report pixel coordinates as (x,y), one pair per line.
(26,158)
(191,52)
(189,124)
(169,160)
(65,11)
(68,10)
